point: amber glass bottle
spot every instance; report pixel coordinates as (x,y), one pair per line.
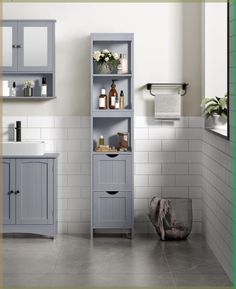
(103,99)
(112,95)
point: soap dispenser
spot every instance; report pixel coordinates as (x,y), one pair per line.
(113,94)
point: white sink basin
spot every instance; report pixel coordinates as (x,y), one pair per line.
(23,148)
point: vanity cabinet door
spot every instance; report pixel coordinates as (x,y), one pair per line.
(34,191)
(9,46)
(8,191)
(36,41)
(112,209)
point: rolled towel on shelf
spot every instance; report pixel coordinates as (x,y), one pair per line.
(168,106)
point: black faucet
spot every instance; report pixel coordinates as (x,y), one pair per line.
(18,131)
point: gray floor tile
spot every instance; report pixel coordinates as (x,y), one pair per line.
(202,280)
(27,280)
(72,260)
(113,280)
(191,261)
(29,262)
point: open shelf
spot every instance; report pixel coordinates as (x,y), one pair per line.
(11,98)
(113,153)
(112,113)
(109,127)
(20,78)
(114,75)
(122,83)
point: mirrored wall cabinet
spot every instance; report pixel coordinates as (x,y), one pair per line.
(28,59)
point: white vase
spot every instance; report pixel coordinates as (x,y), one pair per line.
(219,121)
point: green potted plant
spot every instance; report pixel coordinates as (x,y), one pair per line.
(106,61)
(216,108)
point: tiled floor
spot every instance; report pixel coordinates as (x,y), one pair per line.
(110,261)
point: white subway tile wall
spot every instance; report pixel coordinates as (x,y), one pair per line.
(217,171)
(217,194)
(163,165)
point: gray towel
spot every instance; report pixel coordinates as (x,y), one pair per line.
(168,106)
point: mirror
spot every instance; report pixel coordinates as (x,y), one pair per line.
(7,38)
(35,46)
(215,102)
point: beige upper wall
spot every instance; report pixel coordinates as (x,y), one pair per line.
(167,49)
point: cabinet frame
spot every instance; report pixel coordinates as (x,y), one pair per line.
(9,200)
(14,26)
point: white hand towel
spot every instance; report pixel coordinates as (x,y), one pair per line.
(168,106)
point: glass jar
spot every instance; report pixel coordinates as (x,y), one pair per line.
(123,141)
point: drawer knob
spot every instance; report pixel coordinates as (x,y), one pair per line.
(112,192)
(17,192)
(10,193)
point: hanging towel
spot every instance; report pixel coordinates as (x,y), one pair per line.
(168,106)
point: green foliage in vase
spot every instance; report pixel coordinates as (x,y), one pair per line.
(215,105)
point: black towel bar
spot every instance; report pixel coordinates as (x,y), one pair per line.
(183,86)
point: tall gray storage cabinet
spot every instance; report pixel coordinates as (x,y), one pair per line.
(112,172)
(29,195)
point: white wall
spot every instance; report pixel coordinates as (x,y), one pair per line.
(215,49)
(166,50)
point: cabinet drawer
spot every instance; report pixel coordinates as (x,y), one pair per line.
(112,209)
(112,172)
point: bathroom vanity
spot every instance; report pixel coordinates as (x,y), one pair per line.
(30,194)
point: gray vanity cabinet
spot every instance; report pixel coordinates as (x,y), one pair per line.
(29,195)
(28,46)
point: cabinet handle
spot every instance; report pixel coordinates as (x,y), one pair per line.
(17,192)
(11,192)
(112,192)
(14,46)
(112,155)
(18,46)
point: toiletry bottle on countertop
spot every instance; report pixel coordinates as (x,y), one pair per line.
(112,95)
(102,99)
(13,89)
(122,100)
(44,87)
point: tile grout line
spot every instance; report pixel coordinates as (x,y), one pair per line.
(169,268)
